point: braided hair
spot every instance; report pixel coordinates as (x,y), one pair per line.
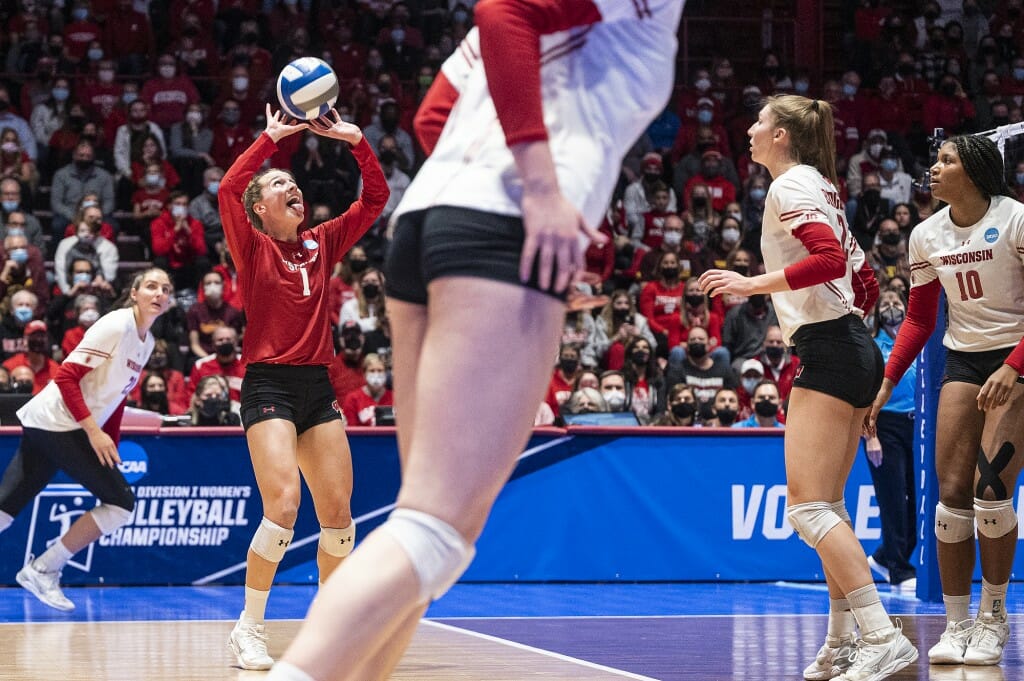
(983,163)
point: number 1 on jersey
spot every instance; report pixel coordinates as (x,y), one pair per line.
(305,281)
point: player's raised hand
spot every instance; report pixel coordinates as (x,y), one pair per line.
(331,125)
(280,126)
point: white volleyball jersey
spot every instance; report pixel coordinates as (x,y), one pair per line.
(601,86)
(113,348)
(981,268)
(799,196)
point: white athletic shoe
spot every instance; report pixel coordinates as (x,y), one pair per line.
(44,585)
(878,568)
(248,641)
(952,644)
(830,661)
(985,646)
(875,661)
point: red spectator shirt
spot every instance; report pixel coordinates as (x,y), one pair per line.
(168,98)
(78,35)
(178,396)
(179,247)
(283,284)
(205,320)
(43,376)
(360,409)
(345,377)
(661,307)
(128,33)
(234,371)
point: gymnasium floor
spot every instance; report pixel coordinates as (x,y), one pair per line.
(480,632)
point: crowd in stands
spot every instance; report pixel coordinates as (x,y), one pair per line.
(119,117)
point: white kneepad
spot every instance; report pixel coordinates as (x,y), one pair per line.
(953,525)
(271,540)
(438,553)
(109,517)
(338,542)
(813,520)
(839,507)
(995,518)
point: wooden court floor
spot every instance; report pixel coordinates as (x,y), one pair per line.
(713,648)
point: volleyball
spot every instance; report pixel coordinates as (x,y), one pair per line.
(307,88)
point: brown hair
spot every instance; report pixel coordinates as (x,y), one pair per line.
(811,129)
(254,192)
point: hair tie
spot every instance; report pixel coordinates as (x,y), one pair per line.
(814,105)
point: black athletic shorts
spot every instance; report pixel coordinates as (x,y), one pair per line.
(839,358)
(300,394)
(974,367)
(454,242)
(42,453)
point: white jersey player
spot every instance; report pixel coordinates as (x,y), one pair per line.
(73,425)
(974,251)
(527,125)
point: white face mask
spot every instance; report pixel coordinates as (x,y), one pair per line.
(614,398)
(749,384)
(730,235)
(875,150)
(167,71)
(376,380)
(194,117)
(240,83)
(213,290)
(179,211)
(88,317)
(673,238)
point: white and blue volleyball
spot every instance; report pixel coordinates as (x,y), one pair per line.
(307,88)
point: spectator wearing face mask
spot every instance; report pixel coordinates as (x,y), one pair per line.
(569,367)
(724,409)
(208,315)
(720,190)
(100,93)
(87,311)
(705,126)
(744,328)
(682,408)
(872,208)
(652,231)
(210,404)
(341,287)
(896,184)
(346,370)
(949,108)
(9,119)
(36,355)
(867,160)
(640,194)
(177,394)
(25,223)
(613,390)
(23,380)
(153,394)
(204,209)
(75,180)
(700,218)
(23,267)
(705,138)
(723,241)
(751,373)
(645,383)
(150,151)
(225,361)
(21,309)
(766,405)
(660,301)
(700,370)
(230,135)
(780,366)
(86,244)
(130,136)
(15,162)
(169,93)
(368,306)
(89,211)
(359,406)
(888,258)
(617,324)
(149,199)
(585,401)
(179,244)
(129,37)
(691,256)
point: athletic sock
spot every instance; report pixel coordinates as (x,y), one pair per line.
(875,626)
(255,604)
(841,622)
(958,608)
(54,558)
(993,599)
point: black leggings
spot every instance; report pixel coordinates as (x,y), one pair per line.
(44,452)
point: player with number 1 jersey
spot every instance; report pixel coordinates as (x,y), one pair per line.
(291,418)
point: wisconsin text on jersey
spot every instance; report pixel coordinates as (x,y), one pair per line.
(968,257)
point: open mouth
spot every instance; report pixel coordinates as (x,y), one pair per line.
(295,203)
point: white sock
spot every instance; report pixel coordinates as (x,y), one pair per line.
(840,621)
(54,558)
(958,608)
(993,599)
(255,604)
(5,521)
(874,622)
(282,671)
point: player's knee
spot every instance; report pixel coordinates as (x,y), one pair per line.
(271,540)
(813,520)
(995,518)
(839,508)
(438,553)
(953,525)
(338,542)
(108,517)
(282,507)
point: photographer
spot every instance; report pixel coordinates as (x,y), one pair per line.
(210,404)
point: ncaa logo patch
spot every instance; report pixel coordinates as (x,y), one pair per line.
(310,244)
(991,235)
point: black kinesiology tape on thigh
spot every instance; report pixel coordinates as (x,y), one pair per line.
(988,472)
